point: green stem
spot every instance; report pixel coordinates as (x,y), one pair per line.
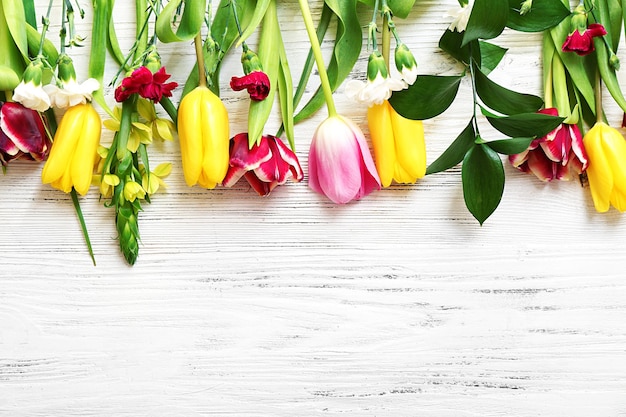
(83,226)
(373,28)
(598,97)
(319,60)
(169,108)
(44,29)
(128,107)
(197,41)
(386,39)
(474,95)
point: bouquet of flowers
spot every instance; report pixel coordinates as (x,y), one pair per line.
(559,136)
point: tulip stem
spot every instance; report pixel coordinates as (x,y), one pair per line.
(319,60)
(83,226)
(598,97)
(197,41)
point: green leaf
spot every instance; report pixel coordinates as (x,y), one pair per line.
(190,22)
(455,152)
(451,41)
(509,146)
(609,15)
(285,95)
(346,52)
(524,124)
(483,181)
(269,44)
(487,20)
(399,8)
(608,74)
(30,13)
(490,55)
(543,15)
(257,17)
(428,97)
(501,99)
(15,16)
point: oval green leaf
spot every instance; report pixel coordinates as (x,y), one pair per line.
(542,15)
(502,99)
(525,124)
(487,20)
(190,22)
(428,97)
(483,181)
(509,146)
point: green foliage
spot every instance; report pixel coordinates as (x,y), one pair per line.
(487,20)
(483,181)
(543,15)
(428,97)
(399,8)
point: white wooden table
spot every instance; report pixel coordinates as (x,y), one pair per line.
(397,305)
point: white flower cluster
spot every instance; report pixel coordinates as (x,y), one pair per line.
(41,98)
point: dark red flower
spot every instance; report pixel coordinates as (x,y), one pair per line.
(148,85)
(22,134)
(257,83)
(265,166)
(582,43)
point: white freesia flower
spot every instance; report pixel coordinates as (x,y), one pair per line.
(373,92)
(461,17)
(31,96)
(71,93)
(409,75)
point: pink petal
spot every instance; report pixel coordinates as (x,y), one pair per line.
(286,162)
(518,159)
(335,159)
(371,180)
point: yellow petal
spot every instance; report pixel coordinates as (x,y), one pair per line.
(216,140)
(86,149)
(63,147)
(410,146)
(381,133)
(598,172)
(190,135)
(163,170)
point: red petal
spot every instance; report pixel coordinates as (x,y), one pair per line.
(25,128)
(541,166)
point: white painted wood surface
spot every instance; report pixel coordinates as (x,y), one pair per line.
(397,305)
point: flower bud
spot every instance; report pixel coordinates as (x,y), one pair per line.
(579,19)
(406,63)
(66,69)
(525,7)
(614,61)
(250,61)
(375,66)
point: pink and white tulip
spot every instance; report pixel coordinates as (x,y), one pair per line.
(340,163)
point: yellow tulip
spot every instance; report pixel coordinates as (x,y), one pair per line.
(204,138)
(399,149)
(73,154)
(606,150)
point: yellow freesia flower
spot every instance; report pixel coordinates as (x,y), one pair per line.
(606,149)
(204,138)
(399,148)
(73,152)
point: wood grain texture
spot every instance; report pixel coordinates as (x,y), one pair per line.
(397,305)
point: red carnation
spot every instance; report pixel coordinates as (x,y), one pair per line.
(148,85)
(257,83)
(582,43)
